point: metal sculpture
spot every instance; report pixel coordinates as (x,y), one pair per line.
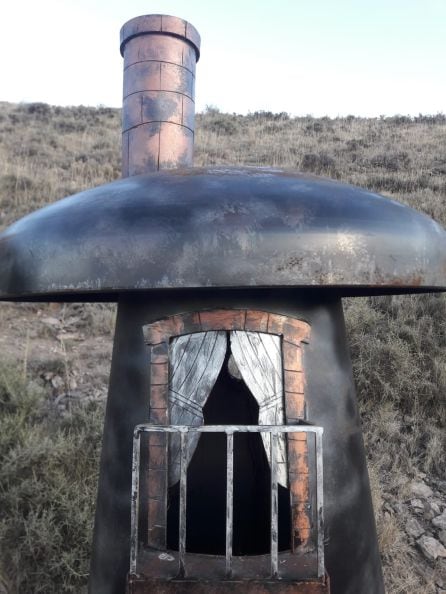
(254,255)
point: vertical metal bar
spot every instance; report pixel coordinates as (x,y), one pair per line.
(229,501)
(165,437)
(183,495)
(135,499)
(274,433)
(274,508)
(320,504)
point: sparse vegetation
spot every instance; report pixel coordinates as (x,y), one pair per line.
(50,429)
(47,487)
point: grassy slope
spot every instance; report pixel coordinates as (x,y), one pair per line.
(398,344)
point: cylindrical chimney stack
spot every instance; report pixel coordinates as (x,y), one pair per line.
(160,53)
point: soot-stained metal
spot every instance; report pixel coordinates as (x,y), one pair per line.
(220,227)
(230,327)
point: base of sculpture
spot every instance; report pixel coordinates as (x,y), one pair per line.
(141,585)
(351,551)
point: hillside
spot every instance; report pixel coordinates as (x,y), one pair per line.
(55,359)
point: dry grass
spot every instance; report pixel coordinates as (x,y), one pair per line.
(49,152)
(398,343)
(47,487)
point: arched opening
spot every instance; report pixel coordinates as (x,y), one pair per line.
(230,402)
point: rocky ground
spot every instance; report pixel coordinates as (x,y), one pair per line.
(66,346)
(425,524)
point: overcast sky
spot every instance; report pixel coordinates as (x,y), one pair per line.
(320,57)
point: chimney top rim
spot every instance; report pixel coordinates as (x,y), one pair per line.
(161,24)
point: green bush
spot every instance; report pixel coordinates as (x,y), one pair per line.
(47,488)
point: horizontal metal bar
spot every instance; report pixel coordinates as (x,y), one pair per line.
(273,429)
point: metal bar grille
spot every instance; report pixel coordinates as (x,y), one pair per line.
(229,500)
(274,509)
(135,499)
(274,431)
(320,504)
(183,498)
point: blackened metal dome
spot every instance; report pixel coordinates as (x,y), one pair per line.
(221,227)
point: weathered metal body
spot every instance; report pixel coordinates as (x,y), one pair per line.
(221,228)
(142,586)
(278,565)
(351,551)
(189,246)
(160,53)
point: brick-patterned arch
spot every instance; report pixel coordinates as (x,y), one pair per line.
(293,332)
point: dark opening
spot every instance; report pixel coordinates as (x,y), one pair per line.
(230,402)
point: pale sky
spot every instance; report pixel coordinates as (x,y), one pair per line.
(320,57)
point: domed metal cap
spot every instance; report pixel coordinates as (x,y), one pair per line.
(221,227)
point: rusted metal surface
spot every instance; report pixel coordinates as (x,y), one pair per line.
(164,565)
(320,504)
(229,501)
(294,333)
(274,509)
(156,486)
(352,561)
(160,53)
(221,228)
(300,490)
(138,585)
(301,564)
(135,504)
(160,23)
(183,498)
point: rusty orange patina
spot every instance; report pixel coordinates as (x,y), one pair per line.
(143,586)
(160,53)
(294,332)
